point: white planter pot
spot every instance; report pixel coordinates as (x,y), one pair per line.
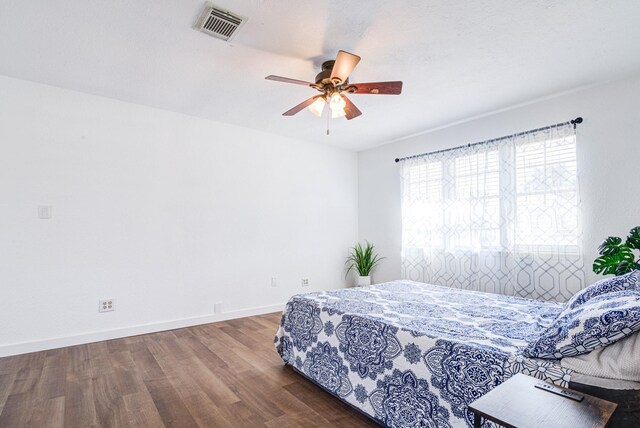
(364,280)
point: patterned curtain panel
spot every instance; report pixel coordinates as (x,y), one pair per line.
(501,217)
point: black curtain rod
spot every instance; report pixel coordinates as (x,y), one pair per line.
(573,122)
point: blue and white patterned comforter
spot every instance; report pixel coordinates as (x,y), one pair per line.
(412,354)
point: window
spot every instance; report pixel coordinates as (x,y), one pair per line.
(546,192)
(505,211)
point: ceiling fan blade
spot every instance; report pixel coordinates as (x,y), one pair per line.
(344,65)
(350,109)
(386,88)
(287,80)
(301,106)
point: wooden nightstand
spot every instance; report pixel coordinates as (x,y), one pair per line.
(518,403)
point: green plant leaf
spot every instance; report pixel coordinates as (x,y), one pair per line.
(617,257)
(610,246)
(362,259)
(626,266)
(607,264)
(633,240)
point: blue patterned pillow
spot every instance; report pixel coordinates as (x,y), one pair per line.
(598,322)
(629,281)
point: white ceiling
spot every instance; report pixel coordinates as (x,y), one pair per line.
(457,58)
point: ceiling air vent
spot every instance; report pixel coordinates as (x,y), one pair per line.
(219,23)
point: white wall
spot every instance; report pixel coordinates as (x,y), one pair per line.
(163,212)
(608,153)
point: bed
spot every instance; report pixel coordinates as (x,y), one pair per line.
(413,354)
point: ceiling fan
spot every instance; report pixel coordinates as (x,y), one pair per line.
(333,83)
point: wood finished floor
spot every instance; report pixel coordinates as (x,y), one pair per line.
(225,374)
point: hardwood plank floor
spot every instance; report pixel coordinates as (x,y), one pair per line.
(225,374)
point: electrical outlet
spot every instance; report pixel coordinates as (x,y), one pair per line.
(217,308)
(305,282)
(274,281)
(106,305)
(45,212)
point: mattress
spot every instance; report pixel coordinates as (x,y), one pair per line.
(407,353)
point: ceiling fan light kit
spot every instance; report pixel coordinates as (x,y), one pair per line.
(317,106)
(333,83)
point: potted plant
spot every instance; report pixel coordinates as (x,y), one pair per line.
(617,257)
(362,259)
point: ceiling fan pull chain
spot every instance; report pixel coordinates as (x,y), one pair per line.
(328,119)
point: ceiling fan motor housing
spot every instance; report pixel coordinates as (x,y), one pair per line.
(324,77)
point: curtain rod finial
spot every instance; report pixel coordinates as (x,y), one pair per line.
(397,160)
(576,121)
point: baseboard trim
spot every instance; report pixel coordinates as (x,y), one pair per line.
(97,336)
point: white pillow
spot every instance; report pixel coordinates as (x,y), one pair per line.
(620,360)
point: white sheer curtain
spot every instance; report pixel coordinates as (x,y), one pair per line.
(501,216)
